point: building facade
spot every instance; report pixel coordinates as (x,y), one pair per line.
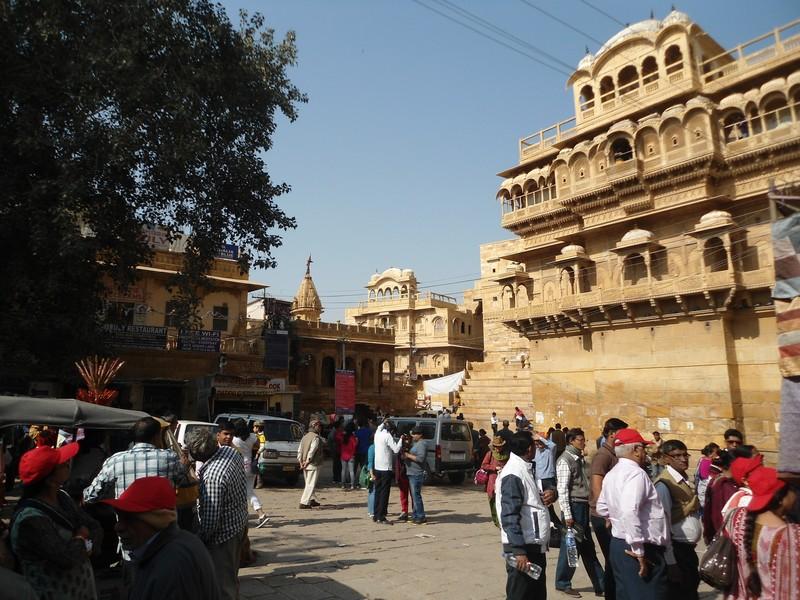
(638,281)
(193,373)
(433,334)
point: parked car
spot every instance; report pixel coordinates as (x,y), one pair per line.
(283,441)
(448,441)
(185,427)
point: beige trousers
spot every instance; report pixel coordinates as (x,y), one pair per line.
(310,474)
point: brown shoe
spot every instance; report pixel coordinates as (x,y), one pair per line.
(313,503)
(305,506)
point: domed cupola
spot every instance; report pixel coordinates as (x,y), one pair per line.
(306,305)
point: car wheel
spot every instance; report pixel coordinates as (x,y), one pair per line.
(456,478)
(291,480)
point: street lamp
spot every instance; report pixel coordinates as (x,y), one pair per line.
(343,341)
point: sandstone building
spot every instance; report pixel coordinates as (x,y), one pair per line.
(638,281)
(433,334)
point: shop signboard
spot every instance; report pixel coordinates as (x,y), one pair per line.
(276,349)
(136,336)
(198,340)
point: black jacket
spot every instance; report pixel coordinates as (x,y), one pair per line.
(176,565)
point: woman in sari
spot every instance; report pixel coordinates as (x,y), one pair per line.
(493,462)
(767,541)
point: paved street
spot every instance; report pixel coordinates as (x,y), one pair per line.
(337,552)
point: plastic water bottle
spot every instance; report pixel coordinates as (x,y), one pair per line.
(533,571)
(572,548)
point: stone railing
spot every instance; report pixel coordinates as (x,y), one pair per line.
(670,288)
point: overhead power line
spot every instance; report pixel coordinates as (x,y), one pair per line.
(494,39)
(483,22)
(563,22)
(604,13)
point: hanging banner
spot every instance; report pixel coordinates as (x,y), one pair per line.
(345,392)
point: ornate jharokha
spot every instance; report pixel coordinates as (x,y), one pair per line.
(97,373)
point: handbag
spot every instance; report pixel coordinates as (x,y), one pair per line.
(481,477)
(364,478)
(718,566)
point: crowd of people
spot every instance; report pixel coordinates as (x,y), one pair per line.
(172,520)
(176,519)
(646,510)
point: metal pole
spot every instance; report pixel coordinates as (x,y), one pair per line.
(343,362)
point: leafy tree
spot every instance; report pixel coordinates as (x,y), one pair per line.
(115,115)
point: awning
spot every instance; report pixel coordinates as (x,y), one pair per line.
(66,413)
(251,285)
(443,385)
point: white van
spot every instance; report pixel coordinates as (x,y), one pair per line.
(448,441)
(283,441)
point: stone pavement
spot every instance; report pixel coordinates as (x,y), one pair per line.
(336,551)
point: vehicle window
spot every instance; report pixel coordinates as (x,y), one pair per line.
(428,429)
(282,431)
(456,432)
(191,428)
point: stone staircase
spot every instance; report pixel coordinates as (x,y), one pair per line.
(498,387)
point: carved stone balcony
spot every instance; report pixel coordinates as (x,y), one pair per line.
(713,290)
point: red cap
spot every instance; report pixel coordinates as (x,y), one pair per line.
(146,494)
(38,463)
(630,436)
(764,483)
(742,467)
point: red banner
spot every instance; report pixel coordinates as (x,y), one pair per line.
(345,392)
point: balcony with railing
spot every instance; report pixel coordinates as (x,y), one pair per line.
(746,134)
(699,283)
(546,138)
(407,302)
(759,54)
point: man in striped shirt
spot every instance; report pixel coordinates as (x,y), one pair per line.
(145,459)
(223,506)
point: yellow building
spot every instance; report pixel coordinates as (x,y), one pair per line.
(433,334)
(196,373)
(638,281)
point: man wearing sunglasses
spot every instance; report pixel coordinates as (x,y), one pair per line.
(733,439)
(682,512)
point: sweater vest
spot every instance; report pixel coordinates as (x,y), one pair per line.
(684,500)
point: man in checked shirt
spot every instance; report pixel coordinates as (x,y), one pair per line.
(223,506)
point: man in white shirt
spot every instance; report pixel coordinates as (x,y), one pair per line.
(639,531)
(682,511)
(385,449)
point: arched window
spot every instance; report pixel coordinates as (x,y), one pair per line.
(776,113)
(507,202)
(755,121)
(372,295)
(673,59)
(634,270)
(455,325)
(463,328)
(533,194)
(606,89)
(328,372)
(404,291)
(587,97)
(380,294)
(519,202)
(714,256)
(567,282)
(396,292)
(367,374)
(735,126)
(621,150)
(551,187)
(796,103)
(649,70)
(627,80)
(438,326)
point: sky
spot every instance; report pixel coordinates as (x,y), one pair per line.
(393,161)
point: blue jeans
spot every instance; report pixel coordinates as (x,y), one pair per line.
(371,498)
(415,483)
(586,550)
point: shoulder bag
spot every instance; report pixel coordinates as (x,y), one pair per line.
(718,566)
